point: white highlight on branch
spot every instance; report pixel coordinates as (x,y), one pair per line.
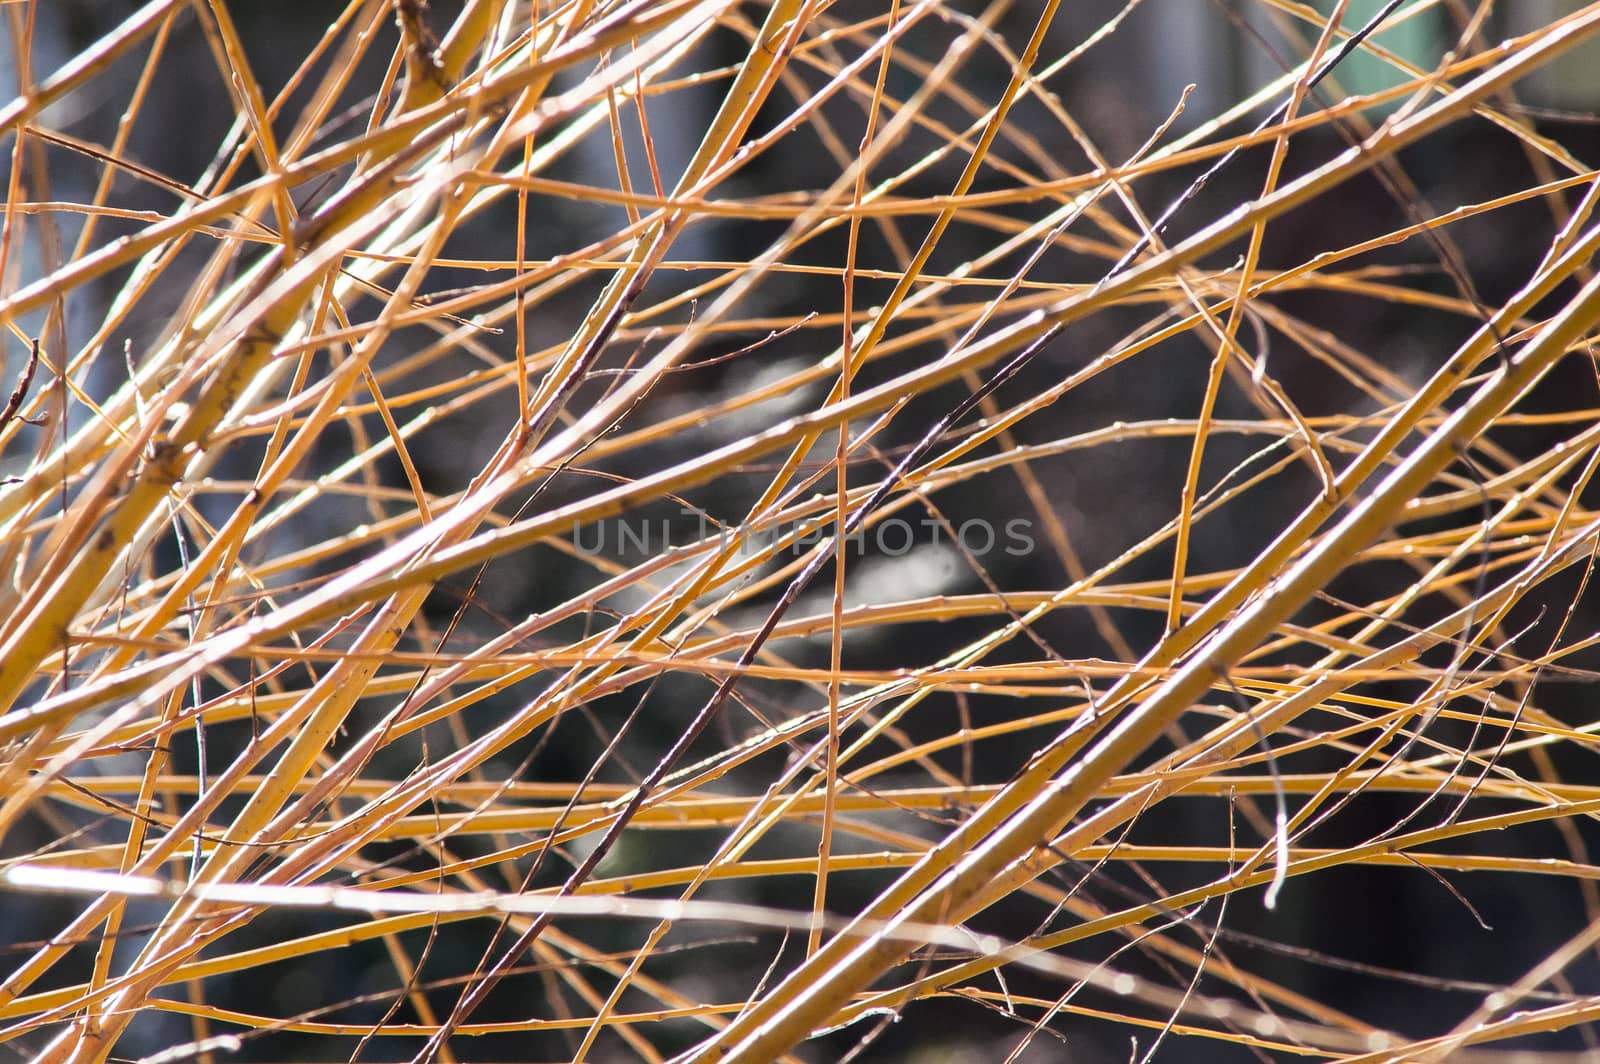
(1280,864)
(373,900)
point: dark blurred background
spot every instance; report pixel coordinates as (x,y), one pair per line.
(1108,498)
